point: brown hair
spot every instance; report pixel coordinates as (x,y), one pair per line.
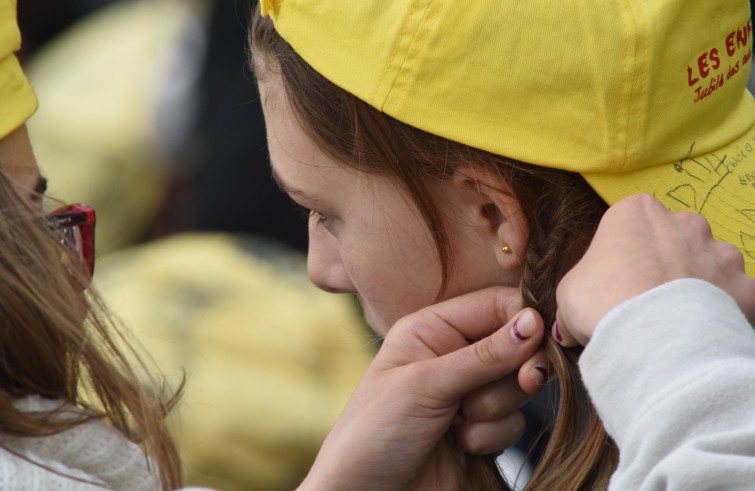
(58,342)
(561,209)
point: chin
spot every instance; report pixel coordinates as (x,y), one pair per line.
(377,325)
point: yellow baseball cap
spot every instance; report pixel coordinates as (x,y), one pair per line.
(17,100)
(635,95)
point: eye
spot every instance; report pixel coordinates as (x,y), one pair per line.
(304,212)
(318,217)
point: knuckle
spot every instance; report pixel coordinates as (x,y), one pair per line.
(645,199)
(495,402)
(696,222)
(641,200)
(415,376)
(409,326)
(637,204)
(731,253)
(491,402)
(517,424)
(508,302)
(487,352)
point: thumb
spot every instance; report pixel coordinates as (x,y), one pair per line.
(491,358)
(566,335)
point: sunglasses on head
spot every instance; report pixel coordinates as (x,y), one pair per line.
(74,224)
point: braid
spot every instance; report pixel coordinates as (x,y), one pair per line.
(541,268)
(562,216)
(563,212)
(579,454)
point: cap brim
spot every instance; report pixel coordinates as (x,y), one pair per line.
(719,185)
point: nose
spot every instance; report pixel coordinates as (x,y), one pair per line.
(324,264)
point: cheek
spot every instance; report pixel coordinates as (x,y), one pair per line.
(392,282)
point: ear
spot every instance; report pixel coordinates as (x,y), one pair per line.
(490,206)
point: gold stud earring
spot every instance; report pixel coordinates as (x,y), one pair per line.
(506,249)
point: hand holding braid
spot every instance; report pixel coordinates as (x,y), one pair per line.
(396,432)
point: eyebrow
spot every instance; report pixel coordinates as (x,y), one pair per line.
(40,187)
(286,188)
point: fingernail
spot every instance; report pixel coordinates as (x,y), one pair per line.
(557,332)
(539,374)
(461,416)
(454,440)
(524,327)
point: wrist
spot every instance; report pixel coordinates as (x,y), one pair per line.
(328,474)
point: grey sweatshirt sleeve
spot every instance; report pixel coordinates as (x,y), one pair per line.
(672,375)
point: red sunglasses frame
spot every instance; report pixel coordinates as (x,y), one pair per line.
(80,218)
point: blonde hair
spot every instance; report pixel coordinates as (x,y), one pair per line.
(59,342)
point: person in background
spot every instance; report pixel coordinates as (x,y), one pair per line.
(217,308)
(73,413)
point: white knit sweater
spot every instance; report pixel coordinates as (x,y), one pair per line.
(672,375)
(90,456)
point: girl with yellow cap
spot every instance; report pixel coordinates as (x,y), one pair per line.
(443,147)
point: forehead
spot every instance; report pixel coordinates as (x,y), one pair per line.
(24,174)
(19,165)
(296,160)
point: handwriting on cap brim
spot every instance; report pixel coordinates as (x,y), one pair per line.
(708,74)
(704,175)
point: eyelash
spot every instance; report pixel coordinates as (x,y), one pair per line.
(319,217)
(309,214)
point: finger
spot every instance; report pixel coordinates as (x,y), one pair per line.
(745,298)
(489,359)
(490,437)
(743,292)
(492,401)
(472,316)
(477,314)
(730,254)
(503,397)
(741,286)
(561,333)
(535,373)
(693,224)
